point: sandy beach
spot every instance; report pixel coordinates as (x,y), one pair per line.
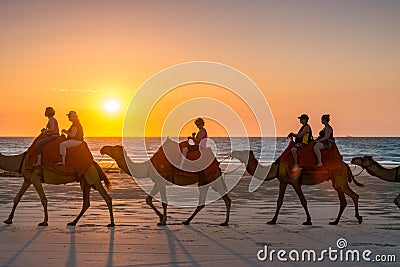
(138,241)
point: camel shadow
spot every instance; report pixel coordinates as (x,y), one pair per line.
(111,248)
(72,260)
(234,254)
(25,246)
(172,242)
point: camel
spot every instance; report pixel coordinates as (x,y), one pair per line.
(377,170)
(47,174)
(146,170)
(280,170)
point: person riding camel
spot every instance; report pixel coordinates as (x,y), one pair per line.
(302,139)
(199,139)
(324,140)
(49,134)
(74,135)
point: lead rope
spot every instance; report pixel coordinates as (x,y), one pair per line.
(359,172)
(109,168)
(355,166)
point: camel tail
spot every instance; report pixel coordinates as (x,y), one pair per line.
(102,175)
(350,177)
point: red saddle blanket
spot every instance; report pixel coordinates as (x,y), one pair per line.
(165,165)
(331,159)
(77,161)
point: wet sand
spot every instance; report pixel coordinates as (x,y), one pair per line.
(138,241)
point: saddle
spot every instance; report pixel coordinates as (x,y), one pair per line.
(331,159)
(165,164)
(78,159)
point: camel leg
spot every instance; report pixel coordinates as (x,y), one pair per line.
(108,200)
(303,201)
(397,201)
(228,203)
(282,190)
(85,205)
(347,190)
(223,191)
(149,201)
(163,194)
(17,199)
(343,204)
(39,189)
(202,202)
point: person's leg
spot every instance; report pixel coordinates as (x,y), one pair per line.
(294,154)
(63,151)
(39,148)
(67,144)
(317,151)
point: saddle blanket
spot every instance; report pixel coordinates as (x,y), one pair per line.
(77,161)
(331,159)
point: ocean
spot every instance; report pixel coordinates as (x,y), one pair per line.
(385,150)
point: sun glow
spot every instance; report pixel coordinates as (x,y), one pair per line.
(112,106)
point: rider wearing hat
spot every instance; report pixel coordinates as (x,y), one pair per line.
(301,139)
(74,135)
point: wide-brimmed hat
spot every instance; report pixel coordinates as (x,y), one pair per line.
(303,116)
(72,113)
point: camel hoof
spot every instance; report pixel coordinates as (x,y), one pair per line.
(111,225)
(8,221)
(333,223)
(224,224)
(307,223)
(359,219)
(186,223)
(43,224)
(273,222)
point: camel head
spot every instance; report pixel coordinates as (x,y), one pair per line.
(363,162)
(115,152)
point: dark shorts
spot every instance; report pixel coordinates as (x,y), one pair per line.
(299,146)
(327,144)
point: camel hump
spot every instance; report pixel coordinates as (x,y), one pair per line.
(331,158)
(78,157)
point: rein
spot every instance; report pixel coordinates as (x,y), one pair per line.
(363,168)
(109,168)
(359,172)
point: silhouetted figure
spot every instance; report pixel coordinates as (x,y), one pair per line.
(324,140)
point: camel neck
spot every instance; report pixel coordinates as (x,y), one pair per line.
(11,163)
(379,171)
(123,165)
(261,172)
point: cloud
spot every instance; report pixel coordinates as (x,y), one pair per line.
(87,90)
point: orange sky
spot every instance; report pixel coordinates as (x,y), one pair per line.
(333,57)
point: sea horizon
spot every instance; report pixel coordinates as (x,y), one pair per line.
(384,149)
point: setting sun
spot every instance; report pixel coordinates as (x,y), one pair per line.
(112,106)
